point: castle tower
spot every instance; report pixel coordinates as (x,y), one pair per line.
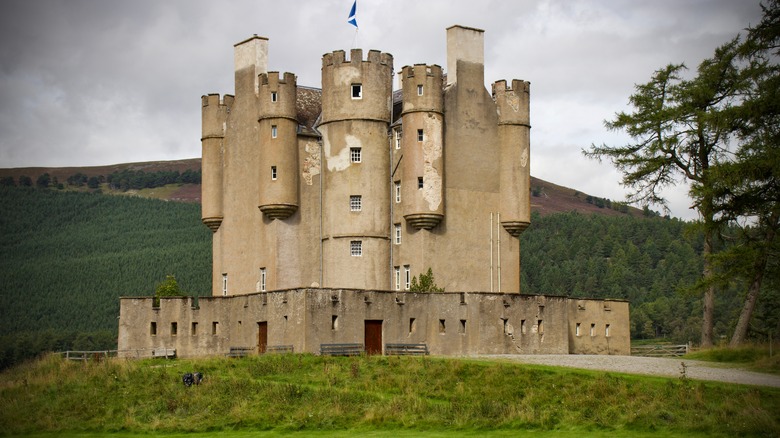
(423,161)
(214,112)
(356,112)
(279,145)
(514,143)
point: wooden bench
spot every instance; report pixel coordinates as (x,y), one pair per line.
(240,351)
(341,349)
(164,352)
(406,349)
(279,349)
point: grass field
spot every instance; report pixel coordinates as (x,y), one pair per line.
(369,396)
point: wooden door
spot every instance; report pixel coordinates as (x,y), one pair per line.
(373,336)
(262,336)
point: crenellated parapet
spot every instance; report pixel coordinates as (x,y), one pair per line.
(277,95)
(356,89)
(214,113)
(421,86)
(513,103)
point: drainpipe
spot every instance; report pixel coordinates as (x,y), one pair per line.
(498,254)
(491,251)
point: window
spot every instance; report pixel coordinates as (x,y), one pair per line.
(214,326)
(194,331)
(273,131)
(398,135)
(606,331)
(577,330)
(412,325)
(153,329)
(397,277)
(593,329)
(224,284)
(540,327)
(354,155)
(419,90)
(273,96)
(442,327)
(522,326)
(397,191)
(273,173)
(356,248)
(263,277)
(419,182)
(420,135)
(407,277)
(505,323)
(357,91)
(174,328)
(462,327)
(334,322)
(355,203)
(397,234)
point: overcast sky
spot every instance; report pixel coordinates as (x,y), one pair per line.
(102,82)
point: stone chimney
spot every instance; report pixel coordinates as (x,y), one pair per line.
(464,44)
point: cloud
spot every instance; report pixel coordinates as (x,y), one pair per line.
(99,82)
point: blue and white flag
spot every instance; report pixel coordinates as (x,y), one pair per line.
(352,19)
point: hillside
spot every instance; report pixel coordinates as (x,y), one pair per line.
(547,198)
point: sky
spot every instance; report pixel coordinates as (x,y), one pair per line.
(98,82)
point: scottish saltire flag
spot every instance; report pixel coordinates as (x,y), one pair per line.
(352,19)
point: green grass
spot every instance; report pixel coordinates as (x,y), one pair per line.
(382,395)
(751,356)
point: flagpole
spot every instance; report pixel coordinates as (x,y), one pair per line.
(352,19)
(355,39)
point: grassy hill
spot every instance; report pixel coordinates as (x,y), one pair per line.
(360,395)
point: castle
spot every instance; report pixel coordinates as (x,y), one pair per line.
(325,203)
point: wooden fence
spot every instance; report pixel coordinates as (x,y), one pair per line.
(660,350)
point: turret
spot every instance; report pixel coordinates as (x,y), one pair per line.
(278,129)
(214,113)
(422,146)
(514,129)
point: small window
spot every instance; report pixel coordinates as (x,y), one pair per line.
(273,173)
(356,248)
(540,326)
(355,155)
(397,192)
(214,327)
(412,325)
(419,90)
(577,330)
(442,327)
(593,329)
(397,270)
(224,284)
(263,277)
(174,328)
(355,203)
(505,323)
(153,329)
(357,91)
(420,135)
(522,326)
(398,135)
(606,331)
(462,327)
(274,131)
(273,96)
(419,182)
(407,277)
(334,322)
(397,234)
(194,330)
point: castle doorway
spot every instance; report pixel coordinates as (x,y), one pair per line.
(262,336)
(373,336)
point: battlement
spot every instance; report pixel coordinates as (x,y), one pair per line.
(338,57)
(518,86)
(214,99)
(271,79)
(417,70)
(512,103)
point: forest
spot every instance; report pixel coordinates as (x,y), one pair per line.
(68,257)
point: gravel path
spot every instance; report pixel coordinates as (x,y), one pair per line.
(670,367)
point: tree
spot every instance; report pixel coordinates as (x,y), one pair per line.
(167,288)
(43,181)
(93,182)
(25,181)
(426,283)
(7,181)
(681,128)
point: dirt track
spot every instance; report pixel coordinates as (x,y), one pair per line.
(650,365)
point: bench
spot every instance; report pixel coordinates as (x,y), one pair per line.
(240,351)
(341,349)
(164,352)
(279,349)
(406,349)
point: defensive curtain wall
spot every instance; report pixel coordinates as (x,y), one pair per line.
(304,319)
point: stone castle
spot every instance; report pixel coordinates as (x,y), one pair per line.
(325,203)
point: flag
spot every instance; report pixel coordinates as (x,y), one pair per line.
(352,19)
